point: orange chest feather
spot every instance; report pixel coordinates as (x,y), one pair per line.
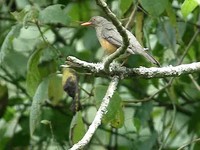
(109,48)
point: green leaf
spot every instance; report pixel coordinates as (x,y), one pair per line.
(55,88)
(154,7)
(33,77)
(143,113)
(149,142)
(7,48)
(118,121)
(27,15)
(114,113)
(137,124)
(188,6)
(77,128)
(54,14)
(124,5)
(39,98)
(75,13)
(167,38)
(171,14)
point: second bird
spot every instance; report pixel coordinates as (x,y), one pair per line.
(111,40)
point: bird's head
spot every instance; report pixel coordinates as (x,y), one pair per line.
(95,21)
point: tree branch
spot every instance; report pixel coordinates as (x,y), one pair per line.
(98,117)
(142,72)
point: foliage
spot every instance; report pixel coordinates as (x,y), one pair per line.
(37,36)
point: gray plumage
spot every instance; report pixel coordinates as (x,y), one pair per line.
(106,30)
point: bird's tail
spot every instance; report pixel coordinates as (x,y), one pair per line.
(151,58)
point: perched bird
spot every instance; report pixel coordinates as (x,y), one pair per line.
(70,86)
(111,40)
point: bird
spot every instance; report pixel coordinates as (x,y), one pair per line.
(110,39)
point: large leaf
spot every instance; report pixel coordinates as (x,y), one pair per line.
(33,75)
(54,14)
(154,7)
(7,47)
(39,98)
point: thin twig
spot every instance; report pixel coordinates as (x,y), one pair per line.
(132,16)
(194,82)
(188,143)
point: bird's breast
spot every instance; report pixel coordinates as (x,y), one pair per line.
(109,48)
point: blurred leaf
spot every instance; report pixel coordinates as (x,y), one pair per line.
(115,113)
(55,91)
(47,67)
(143,113)
(171,14)
(3,99)
(77,11)
(194,122)
(154,7)
(77,128)
(139,27)
(54,14)
(188,6)
(124,5)
(33,77)
(60,122)
(22,137)
(27,15)
(168,37)
(196,145)
(39,98)
(137,124)
(19,16)
(149,142)
(17,63)
(7,48)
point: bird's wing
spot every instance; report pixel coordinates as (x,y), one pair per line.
(111,34)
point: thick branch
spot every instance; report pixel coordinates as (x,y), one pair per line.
(98,117)
(142,72)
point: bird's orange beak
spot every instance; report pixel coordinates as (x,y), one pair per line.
(86,23)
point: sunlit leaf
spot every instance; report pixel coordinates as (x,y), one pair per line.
(188,6)
(33,77)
